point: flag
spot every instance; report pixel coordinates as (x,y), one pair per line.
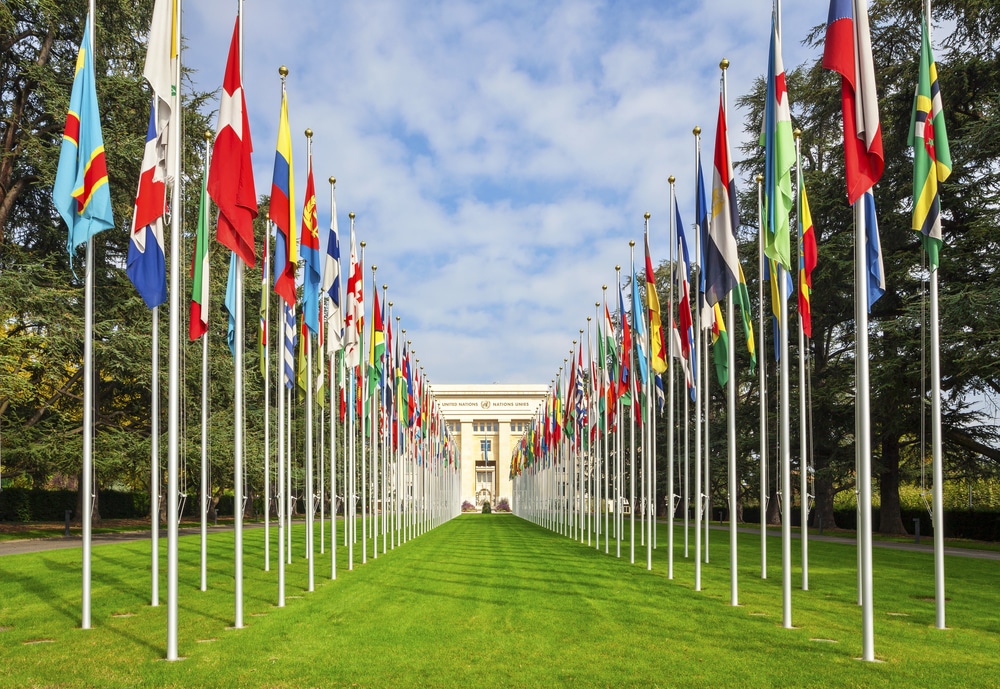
(376,348)
(160,70)
(288,350)
(742,295)
(807,260)
(848,51)
(624,379)
(873,252)
(80,192)
(145,265)
(657,346)
(771,275)
(198,321)
(779,157)
(703,219)
(302,370)
(640,333)
(685,339)
(609,357)
(354,318)
(282,210)
(309,245)
(230,303)
(331,284)
(230,178)
(931,156)
(721,256)
(263,330)
(720,346)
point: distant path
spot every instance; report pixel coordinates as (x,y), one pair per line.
(895,545)
(37,545)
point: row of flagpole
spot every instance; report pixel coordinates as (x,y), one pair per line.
(423,465)
(542,490)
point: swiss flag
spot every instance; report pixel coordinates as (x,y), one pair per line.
(230,177)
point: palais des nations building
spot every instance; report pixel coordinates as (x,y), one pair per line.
(487,422)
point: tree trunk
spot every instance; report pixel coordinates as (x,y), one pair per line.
(890,514)
(823,509)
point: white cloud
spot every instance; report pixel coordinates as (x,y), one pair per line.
(499,155)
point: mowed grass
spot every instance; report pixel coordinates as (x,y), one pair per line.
(493,601)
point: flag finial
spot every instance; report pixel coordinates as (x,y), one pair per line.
(724,65)
(760,178)
(283,71)
(605,287)
(646,216)
(797,133)
(208,135)
(671,179)
(333,180)
(631,242)
(309,133)
(696,131)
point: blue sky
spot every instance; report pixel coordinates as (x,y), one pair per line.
(499,155)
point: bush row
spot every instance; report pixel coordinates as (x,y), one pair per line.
(977,525)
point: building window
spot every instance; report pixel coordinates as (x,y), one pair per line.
(484,478)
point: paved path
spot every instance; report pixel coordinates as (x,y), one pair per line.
(37,545)
(925,546)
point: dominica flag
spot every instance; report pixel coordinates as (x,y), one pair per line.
(931,156)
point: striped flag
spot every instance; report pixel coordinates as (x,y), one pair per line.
(331,283)
(807,260)
(685,330)
(354,318)
(146,265)
(309,246)
(230,303)
(721,256)
(931,155)
(288,348)
(657,345)
(779,157)
(720,346)
(847,50)
(230,177)
(80,192)
(198,321)
(282,211)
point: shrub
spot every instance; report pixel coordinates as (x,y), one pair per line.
(503,505)
(468,507)
(486,507)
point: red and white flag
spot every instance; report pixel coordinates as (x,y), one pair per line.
(230,178)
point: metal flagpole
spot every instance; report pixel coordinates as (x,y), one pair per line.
(154,462)
(699,383)
(762,382)
(173,364)
(374,413)
(647,437)
(364,454)
(334,395)
(672,239)
(205,461)
(266,335)
(280,493)
(604,422)
(863,433)
(310,502)
(734,597)
(633,391)
(803,434)
(937,497)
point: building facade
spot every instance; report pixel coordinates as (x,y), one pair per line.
(487,422)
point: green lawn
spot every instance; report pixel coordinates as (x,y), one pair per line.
(493,601)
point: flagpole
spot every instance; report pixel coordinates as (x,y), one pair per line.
(310,489)
(154,460)
(937,497)
(672,232)
(334,402)
(604,446)
(281,493)
(803,435)
(363,389)
(762,383)
(699,382)
(647,444)
(267,399)
(863,433)
(633,391)
(205,485)
(173,363)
